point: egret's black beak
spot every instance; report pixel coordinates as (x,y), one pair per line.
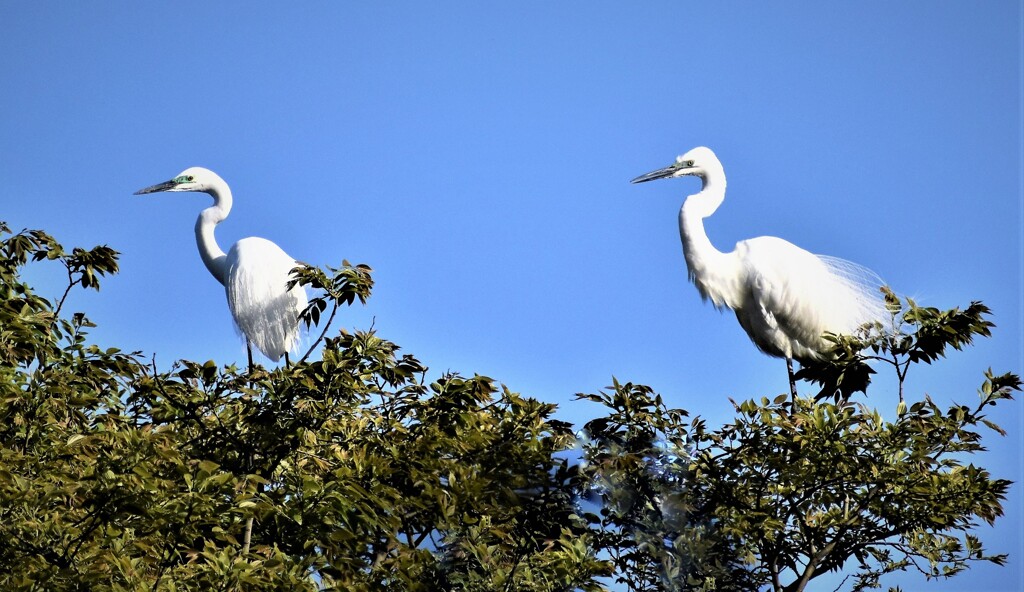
(158,187)
(676,169)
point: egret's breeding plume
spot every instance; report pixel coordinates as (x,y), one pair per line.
(255,272)
(784,297)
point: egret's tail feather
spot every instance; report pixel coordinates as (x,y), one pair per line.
(864,285)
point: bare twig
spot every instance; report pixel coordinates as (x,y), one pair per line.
(327,325)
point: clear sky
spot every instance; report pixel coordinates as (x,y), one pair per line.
(478,157)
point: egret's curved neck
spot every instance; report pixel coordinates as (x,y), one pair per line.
(713,272)
(209,250)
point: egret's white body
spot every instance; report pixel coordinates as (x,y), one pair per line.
(784,297)
(255,272)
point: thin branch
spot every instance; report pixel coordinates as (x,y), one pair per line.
(334,311)
(73,282)
(776,583)
(248,536)
(839,587)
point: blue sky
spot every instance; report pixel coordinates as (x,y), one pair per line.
(478,157)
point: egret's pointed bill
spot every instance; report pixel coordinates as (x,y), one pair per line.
(676,169)
(158,187)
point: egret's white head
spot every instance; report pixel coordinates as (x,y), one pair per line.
(190,179)
(699,162)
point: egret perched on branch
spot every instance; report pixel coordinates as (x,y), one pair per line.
(255,272)
(784,297)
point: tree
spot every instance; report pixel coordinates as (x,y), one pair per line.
(350,472)
(791,490)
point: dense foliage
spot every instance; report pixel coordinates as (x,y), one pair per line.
(357,473)
(354,471)
(792,490)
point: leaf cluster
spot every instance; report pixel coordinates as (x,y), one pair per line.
(915,334)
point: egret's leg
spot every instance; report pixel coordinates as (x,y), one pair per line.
(792,380)
(287,362)
(248,350)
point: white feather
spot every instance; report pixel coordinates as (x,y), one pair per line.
(264,311)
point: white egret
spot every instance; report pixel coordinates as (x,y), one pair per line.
(255,272)
(784,297)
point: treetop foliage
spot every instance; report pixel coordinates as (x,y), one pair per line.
(355,471)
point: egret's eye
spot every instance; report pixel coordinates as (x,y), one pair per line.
(189,178)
